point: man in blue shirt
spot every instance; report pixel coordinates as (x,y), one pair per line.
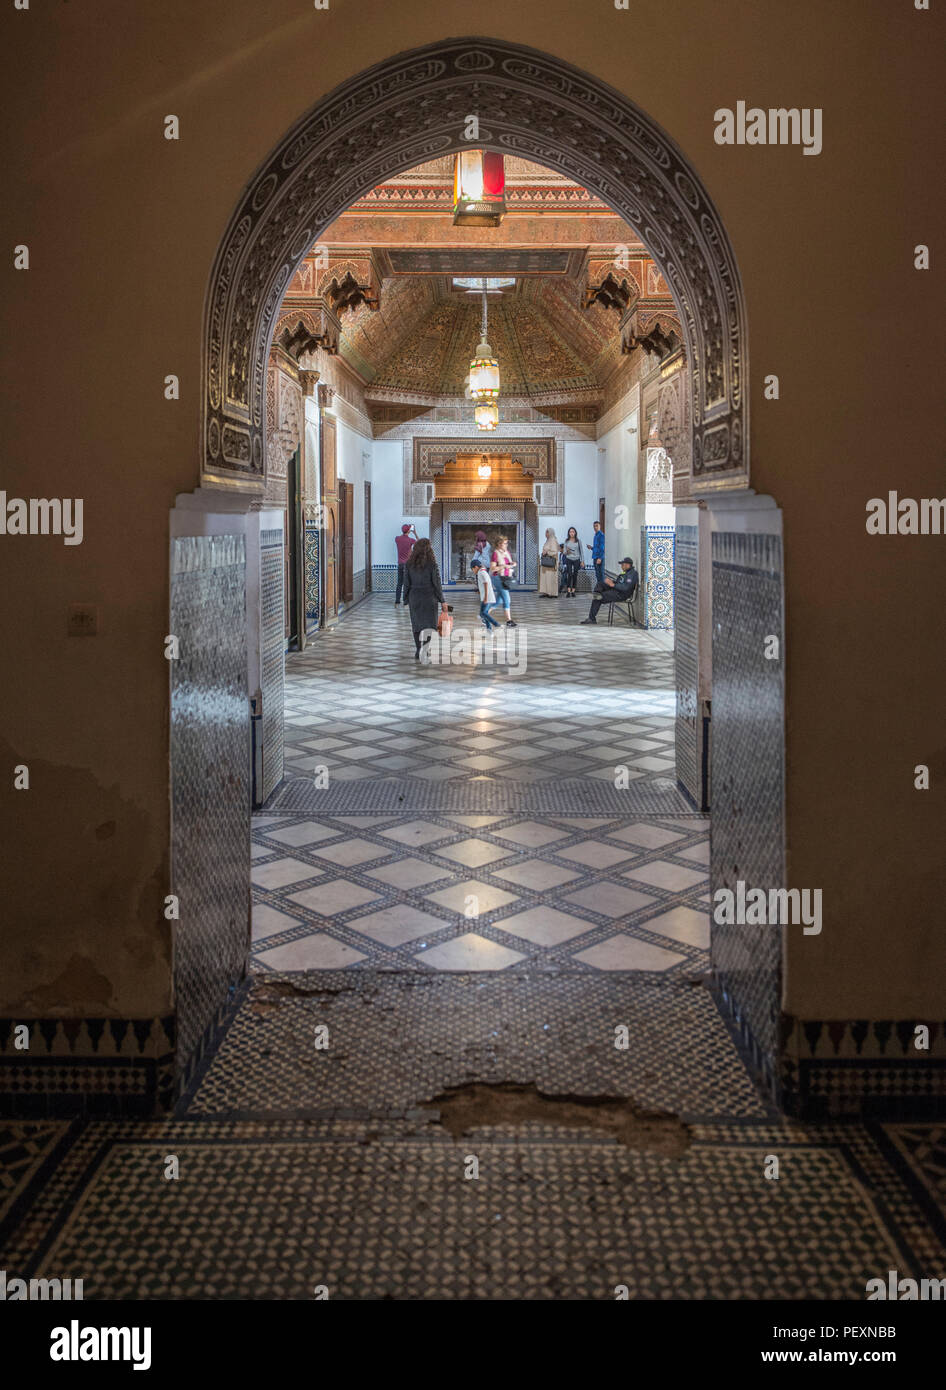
(597,555)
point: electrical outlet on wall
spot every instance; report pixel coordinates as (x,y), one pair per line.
(82,620)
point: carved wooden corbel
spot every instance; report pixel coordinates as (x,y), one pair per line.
(348,293)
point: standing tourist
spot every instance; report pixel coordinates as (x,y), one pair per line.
(501,567)
(572,552)
(423,591)
(597,556)
(403,544)
(548,573)
(480,549)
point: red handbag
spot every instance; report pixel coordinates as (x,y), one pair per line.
(445,624)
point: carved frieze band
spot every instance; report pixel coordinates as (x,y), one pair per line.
(537,456)
(403,112)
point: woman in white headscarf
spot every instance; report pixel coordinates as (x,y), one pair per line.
(548,574)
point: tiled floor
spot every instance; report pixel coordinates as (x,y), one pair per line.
(476,900)
(506,890)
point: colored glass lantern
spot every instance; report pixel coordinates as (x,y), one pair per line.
(479,189)
(486,416)
(484,374)
(484,369)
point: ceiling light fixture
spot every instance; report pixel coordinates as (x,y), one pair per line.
(479,189)
(484,379)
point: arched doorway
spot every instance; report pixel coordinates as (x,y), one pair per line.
(414,107)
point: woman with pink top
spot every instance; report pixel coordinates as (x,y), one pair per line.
(501,567)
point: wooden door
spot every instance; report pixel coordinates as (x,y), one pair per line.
(346,539)
(330,514)
(367,538)
(602,507)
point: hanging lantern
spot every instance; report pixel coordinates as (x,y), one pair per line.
(486,417)
(484,471)
(484,369)
(479,189)
(484,374)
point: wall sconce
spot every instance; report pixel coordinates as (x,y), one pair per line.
(484,471)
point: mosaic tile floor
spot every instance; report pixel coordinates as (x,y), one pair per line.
(481,890)
(471,902)
(273,1209)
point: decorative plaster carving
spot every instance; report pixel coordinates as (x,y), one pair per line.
(672,421)
(537,456)
(285,422)
(405,110)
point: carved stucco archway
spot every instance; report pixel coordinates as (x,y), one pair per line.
(412,108)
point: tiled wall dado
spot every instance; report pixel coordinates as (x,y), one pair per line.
(657,562)
(846,1067)
(313,576)
(272,662)
(688,724)
(210,780)
(747,840)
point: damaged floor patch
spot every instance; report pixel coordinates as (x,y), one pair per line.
(463,1109)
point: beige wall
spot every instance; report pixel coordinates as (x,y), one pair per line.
(122,227)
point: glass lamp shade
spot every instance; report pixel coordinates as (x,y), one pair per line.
(486,416)
(484,471)
(484,374)
(479,188)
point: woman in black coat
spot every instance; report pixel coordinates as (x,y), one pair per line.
(423,591)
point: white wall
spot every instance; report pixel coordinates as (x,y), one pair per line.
(387,501)
(617,483)
(581,495)
(356,469)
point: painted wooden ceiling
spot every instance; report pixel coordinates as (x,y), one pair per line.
(424,330)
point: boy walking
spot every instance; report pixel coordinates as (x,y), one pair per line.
(484,587)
